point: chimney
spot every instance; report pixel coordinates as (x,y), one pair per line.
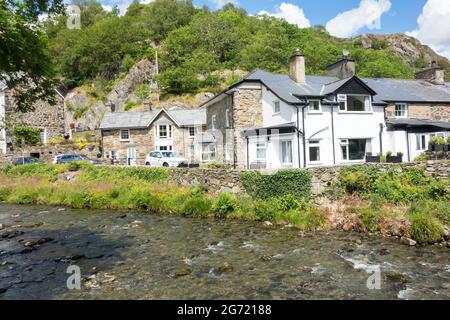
(147,106)
(344,68)
(433,74)
(297,67)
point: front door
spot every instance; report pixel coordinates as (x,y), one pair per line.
(131,156)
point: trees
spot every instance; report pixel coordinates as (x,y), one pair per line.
(25,64)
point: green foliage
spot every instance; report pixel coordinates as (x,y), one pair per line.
(397,186)
(224,204)
(422,157)
(43,170)
(197,205)
(79,112)
(93,173)
(142,91)
(27,136)
(424,229)
(265,210)
(4,193)
(284,182)
(436,140)
(129,105)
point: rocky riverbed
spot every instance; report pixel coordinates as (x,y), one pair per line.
(123,255)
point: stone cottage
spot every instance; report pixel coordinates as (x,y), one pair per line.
(128,137)
(49,119)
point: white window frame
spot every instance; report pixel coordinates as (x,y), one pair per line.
(312,110)
(421,142)
(401,105)
(292,153)
(343,98)
(261,145)
(121,135)
(314,144)
(190,129)
(276,105)
(166,147)
(168,131)
(346,143)
(211,152)
(213,122)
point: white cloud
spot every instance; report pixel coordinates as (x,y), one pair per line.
(291,13)
(368,14)
(220,3)
(434,26)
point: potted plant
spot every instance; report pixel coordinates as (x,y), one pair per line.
(372,159)
(394,159)
(437,143)
(447,146)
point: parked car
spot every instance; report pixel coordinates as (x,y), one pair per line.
(25,160)
(68,158)
(164,159)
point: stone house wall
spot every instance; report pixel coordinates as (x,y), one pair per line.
(44,116)
(219,110)
(221,180)
(423,111)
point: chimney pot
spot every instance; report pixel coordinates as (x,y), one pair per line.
(112,107)
(297,67)
(147,105)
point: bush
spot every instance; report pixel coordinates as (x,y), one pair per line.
(129,105)
(437,141)
(306,219)
(424,229)
(198,205)
(4,193)
(73,166)
(27,136)
(285,182)
(224,204)
(102,174)
(358,179)
(265,210)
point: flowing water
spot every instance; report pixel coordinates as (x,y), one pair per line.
(123,255)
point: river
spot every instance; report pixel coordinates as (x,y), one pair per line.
(125,255)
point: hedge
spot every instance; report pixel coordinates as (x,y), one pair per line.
(282,183)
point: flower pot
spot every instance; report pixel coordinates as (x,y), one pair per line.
(439,147)
(373,159)
(394,159)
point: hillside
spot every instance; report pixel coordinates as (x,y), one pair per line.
(199,52)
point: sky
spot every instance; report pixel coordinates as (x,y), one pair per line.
(427,20)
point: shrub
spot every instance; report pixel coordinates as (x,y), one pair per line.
(144,200)
(129,105)
(436,140)
(294,182)
(27,136)
(79,112)
(265,210)
(24,195)
(4,193)
(224,204)
(73,166)
(424,229)
(307,219)
(358,179)
(101,174)
(198,205)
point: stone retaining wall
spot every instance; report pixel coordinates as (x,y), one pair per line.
(221,180)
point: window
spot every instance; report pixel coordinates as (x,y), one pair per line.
(421,142)
(191,132)
(214,122)
(314,151)
(276,107)
(208,152)
(354,103)
(43,136)
(355,149)
(401,110)
(164,131)
(191,151)
(124,135)
(314,106)
(261,151)
(165,148)
(286,152)
(227,118)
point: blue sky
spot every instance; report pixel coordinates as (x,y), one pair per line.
(349,18)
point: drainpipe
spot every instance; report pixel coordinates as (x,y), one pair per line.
(231,94)
(298,138)
(332,134)
(248,156)
(304,134)
(381,139)
(407,144)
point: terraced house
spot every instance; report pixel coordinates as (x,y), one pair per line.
(128,137)
(296,120)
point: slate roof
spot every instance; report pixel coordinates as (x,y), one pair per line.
(143,119)
(412,122)
(387,89)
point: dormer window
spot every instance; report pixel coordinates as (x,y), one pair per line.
(401,110)
(314,106)
(276,107)
(354,103)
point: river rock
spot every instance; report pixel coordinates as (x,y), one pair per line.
(31,243)
(408,241)
(3,290)
(268,223)
(182,272)
(11,234)
(227,267)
